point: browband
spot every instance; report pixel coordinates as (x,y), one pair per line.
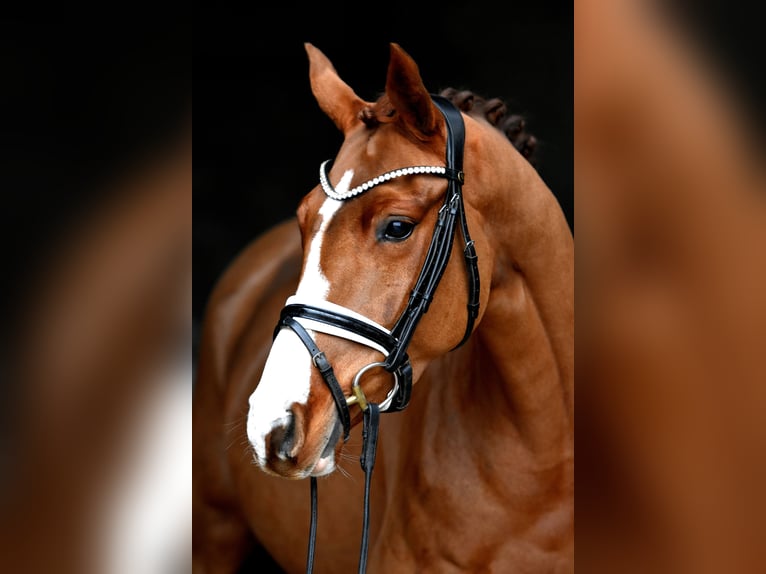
(329,190)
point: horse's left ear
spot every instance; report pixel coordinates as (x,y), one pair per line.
(335,97)
(408,94)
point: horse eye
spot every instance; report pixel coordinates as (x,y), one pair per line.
(398,229)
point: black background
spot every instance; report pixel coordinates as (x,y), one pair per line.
(259,135)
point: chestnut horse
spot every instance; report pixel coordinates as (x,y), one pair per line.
(477,473)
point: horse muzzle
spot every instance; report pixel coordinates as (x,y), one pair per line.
(296,447)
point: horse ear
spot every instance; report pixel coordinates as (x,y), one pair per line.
(333,95)
(408,94)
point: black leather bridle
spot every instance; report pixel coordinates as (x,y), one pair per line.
(393,344)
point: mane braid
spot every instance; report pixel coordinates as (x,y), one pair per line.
(494,111)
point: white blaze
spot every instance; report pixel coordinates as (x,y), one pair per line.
(287,373)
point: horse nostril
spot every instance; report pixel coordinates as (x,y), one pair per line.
(282,438)
(287,438)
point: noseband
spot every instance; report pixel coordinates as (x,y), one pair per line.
(321,316)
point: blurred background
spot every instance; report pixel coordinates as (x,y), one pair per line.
(95,295)
(671,283)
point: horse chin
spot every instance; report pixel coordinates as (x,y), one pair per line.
(287,469)
(325,465)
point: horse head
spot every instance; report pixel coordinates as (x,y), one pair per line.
(367,232)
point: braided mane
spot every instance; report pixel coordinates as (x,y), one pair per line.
(495,111)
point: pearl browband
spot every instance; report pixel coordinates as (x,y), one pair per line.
(389,175)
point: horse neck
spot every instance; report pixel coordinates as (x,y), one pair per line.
(518,370)
(489,432)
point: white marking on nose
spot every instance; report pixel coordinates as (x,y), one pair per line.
(287,374)
(284,382)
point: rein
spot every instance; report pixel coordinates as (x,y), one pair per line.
(329,318)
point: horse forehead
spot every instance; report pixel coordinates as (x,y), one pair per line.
(315,211)
(371,152)
(325,208)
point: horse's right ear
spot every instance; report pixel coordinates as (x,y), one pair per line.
(334,96)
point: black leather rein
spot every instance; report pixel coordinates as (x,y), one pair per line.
(394,343)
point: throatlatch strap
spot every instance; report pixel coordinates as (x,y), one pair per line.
(455,146)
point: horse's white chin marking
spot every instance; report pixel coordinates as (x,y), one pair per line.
(287,374)
(324,466)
